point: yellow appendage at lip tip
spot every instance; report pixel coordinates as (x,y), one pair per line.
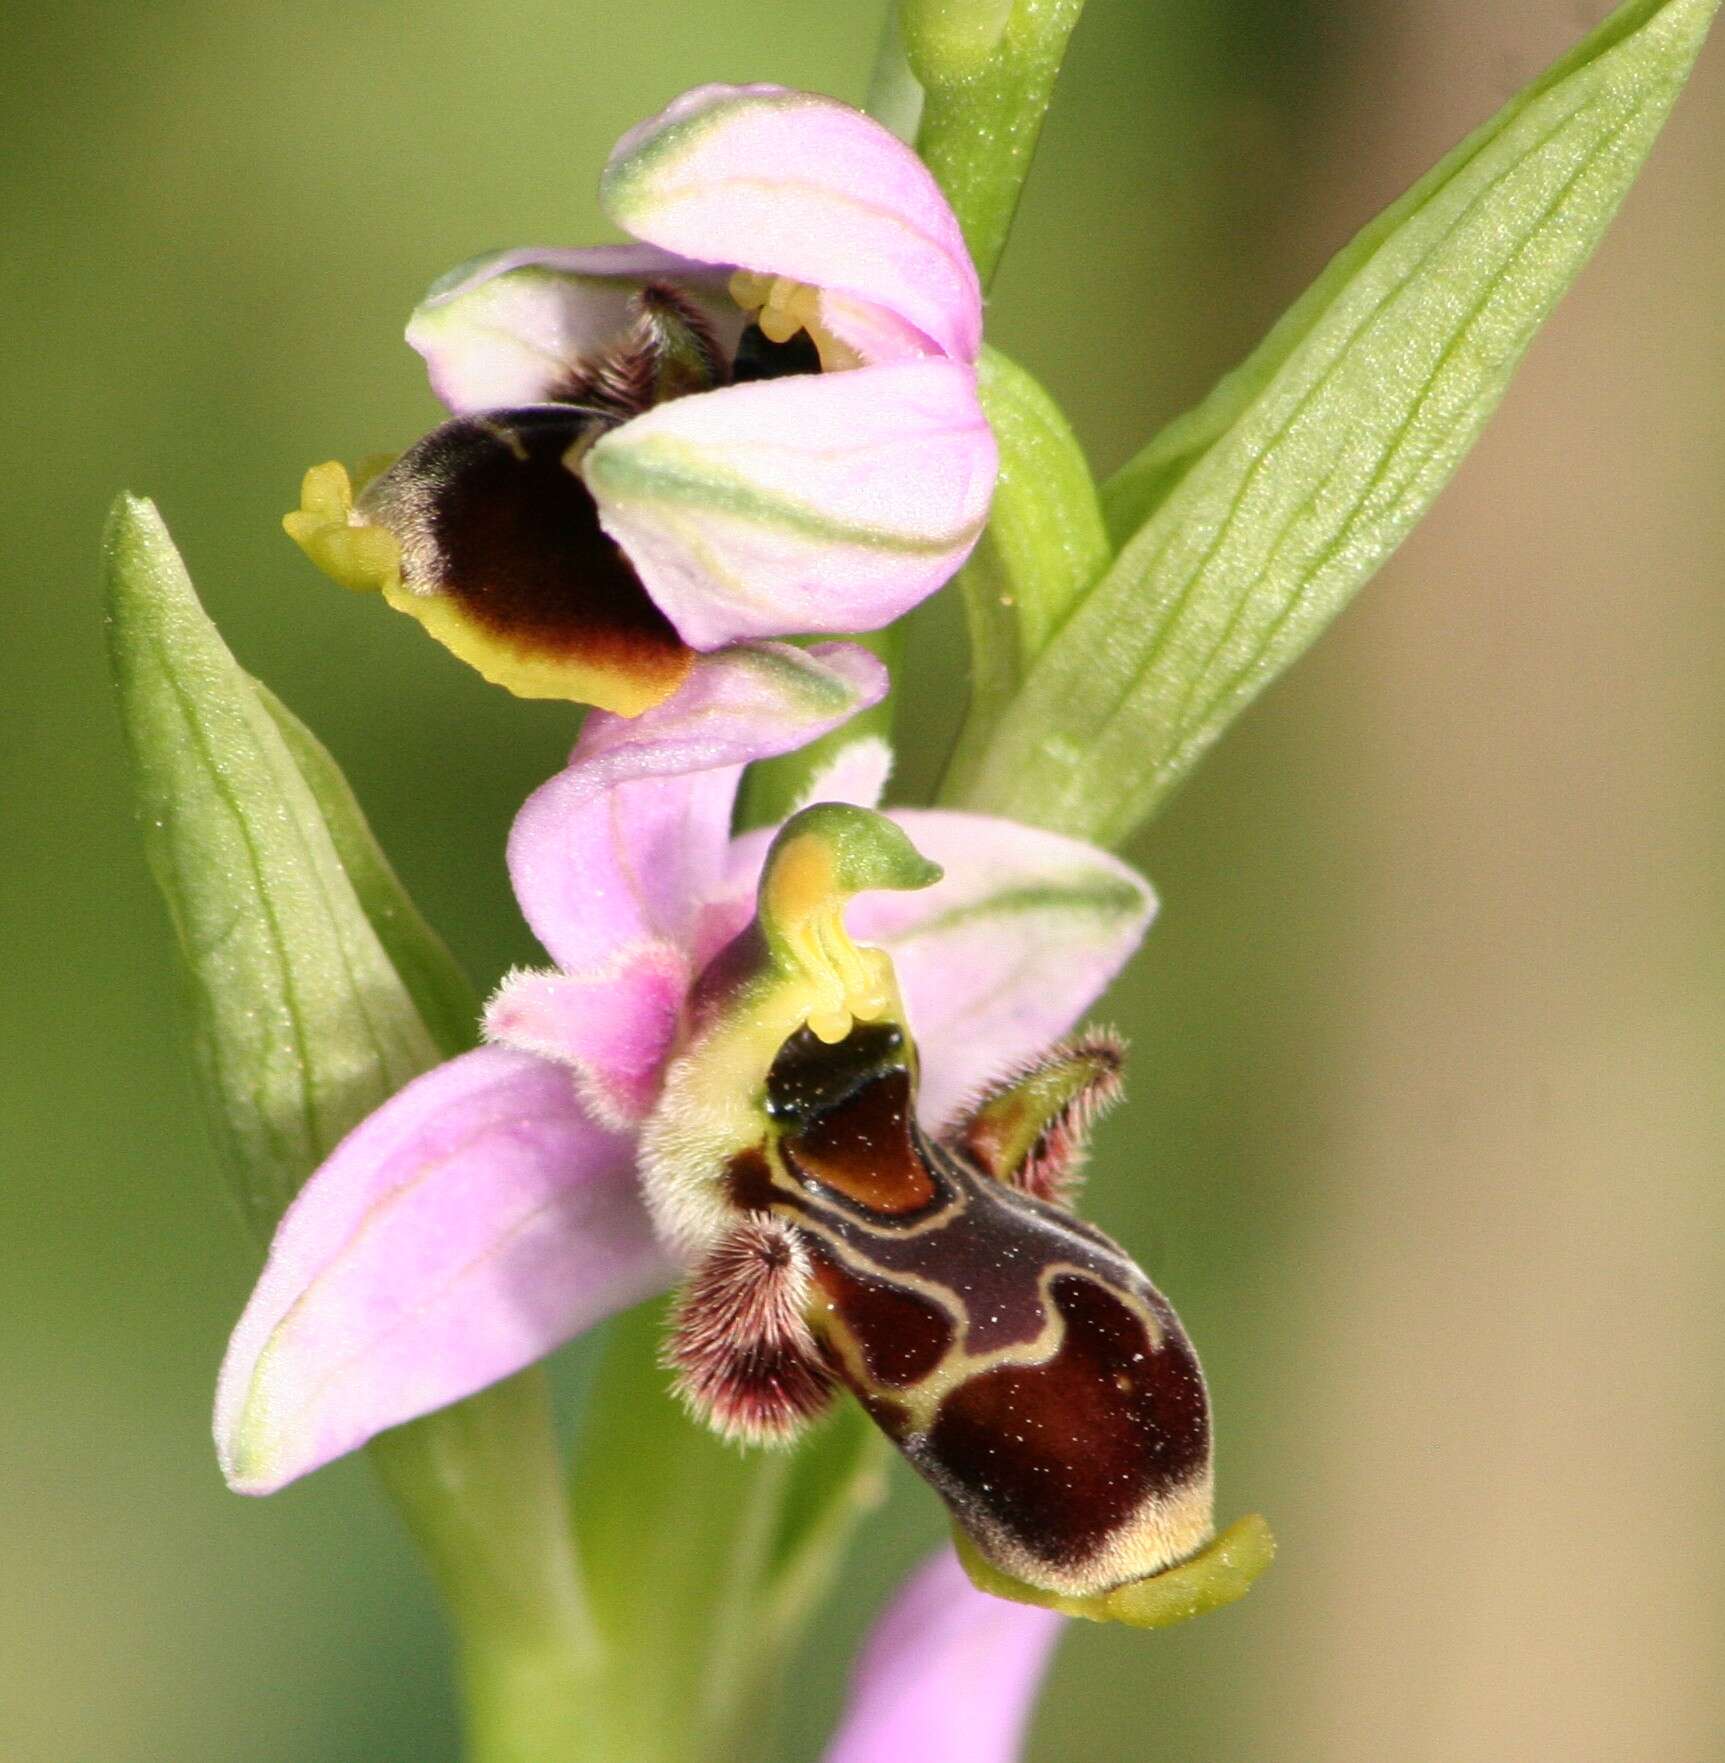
(366,559)
(1221,1572)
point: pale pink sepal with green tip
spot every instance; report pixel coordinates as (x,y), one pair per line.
(477,1219)
(794,185)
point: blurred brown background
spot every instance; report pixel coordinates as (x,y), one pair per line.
(1427,1124)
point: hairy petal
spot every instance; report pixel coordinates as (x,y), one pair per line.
(821,502)
(477,1220)
(946,1672)
(628,840)
(1019,939)
(796,185)
(517,327)
(612,1027)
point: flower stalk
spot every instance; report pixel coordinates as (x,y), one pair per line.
(479,1486)
(987,70)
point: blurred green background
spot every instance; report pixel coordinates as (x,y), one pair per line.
(1427,1116)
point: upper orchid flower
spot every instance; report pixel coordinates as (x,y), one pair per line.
(759,421)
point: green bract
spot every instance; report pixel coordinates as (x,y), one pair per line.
(1251,522)
(310,969)
(1044,546)
(303,1024)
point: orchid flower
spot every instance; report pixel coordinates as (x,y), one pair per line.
(759,420)
(946,1672)
(718,1085)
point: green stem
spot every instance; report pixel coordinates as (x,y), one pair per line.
(735,1657)
(987,69)
(894,96)
(480,1488)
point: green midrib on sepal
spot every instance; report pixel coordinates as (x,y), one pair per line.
(676,475)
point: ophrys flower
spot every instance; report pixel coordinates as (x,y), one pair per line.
(760,420)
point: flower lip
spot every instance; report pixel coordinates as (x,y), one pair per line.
(504,560)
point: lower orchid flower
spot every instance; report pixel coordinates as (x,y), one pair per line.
(801,1116)
(762,419)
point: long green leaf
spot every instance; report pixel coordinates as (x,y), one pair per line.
(301,1023)
(1257,517)
(292,926)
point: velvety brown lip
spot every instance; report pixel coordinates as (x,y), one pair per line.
(488,513)
(1061,1455)
(901,1335)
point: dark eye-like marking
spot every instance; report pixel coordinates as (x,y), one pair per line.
(810,1075)
(848,1114)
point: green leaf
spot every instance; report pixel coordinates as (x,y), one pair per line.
(301,1024)
(442,993)
(1255,519)
(292,925)
(1044,545)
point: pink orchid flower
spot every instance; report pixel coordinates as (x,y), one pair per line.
(492,1210)
(759,420)
(946,1672)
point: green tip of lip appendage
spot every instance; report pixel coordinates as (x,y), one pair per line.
(1220,1573)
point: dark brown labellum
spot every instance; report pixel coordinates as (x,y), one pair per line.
(1021,1360)
(490,511)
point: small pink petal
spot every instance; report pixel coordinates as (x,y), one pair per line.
(515,327)
(473,1223)
(796,185)
(996,960)
(626,842)
(613,1027)
(857,773)
(947,1672)
(823,502)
